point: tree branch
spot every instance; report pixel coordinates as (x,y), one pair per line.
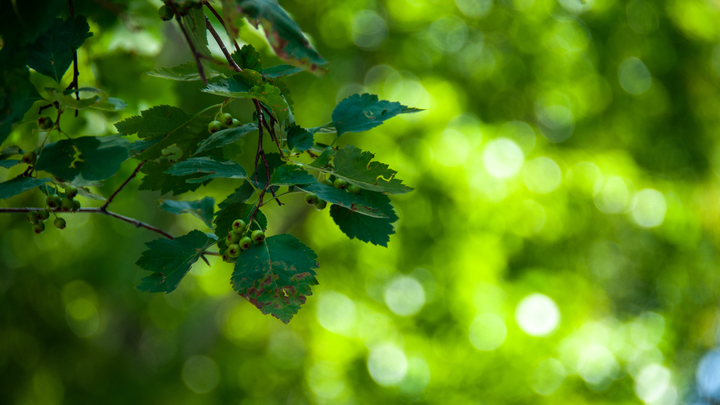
(219,41)
(132,175)
(178,18)
(209,6)
(76,72)
(99,210)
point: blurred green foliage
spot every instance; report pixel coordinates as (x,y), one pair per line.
(560,246)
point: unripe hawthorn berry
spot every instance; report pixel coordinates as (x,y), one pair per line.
(238,226)
(353,189)
(258,236)
(76,205)
(245,243)
(38,227)
(214,126)
(340,183)
(233,250)
(165,13)
(29,157)
(235,123)
(311,198)
(226,119)
(32,217)
(327,182)
(71,191)
(232,237)
(59,223)
(43,214)
(67,203)
(228,259)
(320,205)
(53,201)
(44,123)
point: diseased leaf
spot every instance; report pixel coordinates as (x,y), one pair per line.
(357,203)
(288,175)
(226,137)
(299,139)
(186,72)
(17,94)
(240,195)
(201,209)
(361,112)
(356,167)
(52,53)
(215,169)
(8,163)
(170,260)
(283,33)
(88,158)
(19,184)
(237,87)
(281,71)
(276,276)
(367,229)
(228,215)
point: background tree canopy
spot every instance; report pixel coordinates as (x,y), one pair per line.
(560,245)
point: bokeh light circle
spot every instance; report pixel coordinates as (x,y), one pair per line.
(200,374)
(547,377)
(537,315)
(405,296)
(387,364)
(335,312)
(708,375)
(503,158)
(487,332)
(649,208)
(542,175)
(634,76)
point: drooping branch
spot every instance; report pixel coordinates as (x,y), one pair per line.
(215,13)
(178,18)
(219,41)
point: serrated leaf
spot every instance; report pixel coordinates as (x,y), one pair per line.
(194,22)
(186,72)
(170,260)
(240,195)
(353,202)
(8,163)
(276,276)
(283,33)
(202,209)
(156,179)
(299,139)
(228,215)
(52,53)
(281,71)
(19,184)
(21,22)
(361,112)
(87,158)
(238,88)
(323,159)
(17,93)
(288,175)
(367,229)
(248,58)
(226,137)
(356,167)
(214,169)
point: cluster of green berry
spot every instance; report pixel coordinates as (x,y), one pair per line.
(67,203)
(236,242)
(37,219)
(312,198)
(166,13)
(222,121)
(45,123)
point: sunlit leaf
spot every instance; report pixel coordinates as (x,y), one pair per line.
(211,167)
(361,112)
(52,53)
(201,209)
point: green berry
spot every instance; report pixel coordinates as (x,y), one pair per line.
(67,203)
(214,126)
(165,13)
(226,119)
(233,250)
(311,198)
(53,201)
(340,183)
(44,123)
(327,182)
(353,189)
(235,123)
(238,226)
(32,217)
(228,259)
(76,205)
(29,157)
(39,227)
(232,237)
(43,214)
(71,191)
(258,236)
(245,243)
(59,223)
(320,205)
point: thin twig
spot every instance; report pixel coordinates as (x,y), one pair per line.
(208,5)
(261,152)
(76,72)
(178,18)
(133,174)
(99,210)
(219,41)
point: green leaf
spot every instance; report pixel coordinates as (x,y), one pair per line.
(281,71)
(17,94)
(156,179)
(240,195)
(274,161)
(52,53)
(226,137)
(299,139)
(238,88)
(21,22)
(186,72)
(357,203)
(215,169)
(228,215)
(8,163)
(84,192)
(170,260)
(276,276)
(10,151)
(248,58)
(194,23)
(19,184)
(283,33)
(201,209)
(367,229)
(98,101)
(86,158)
(323,159)
(356,167)
(288,175)
(361,112)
